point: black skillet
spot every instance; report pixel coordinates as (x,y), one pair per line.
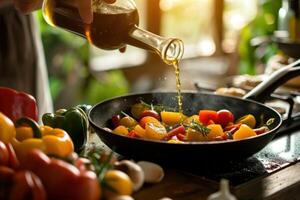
(159,151)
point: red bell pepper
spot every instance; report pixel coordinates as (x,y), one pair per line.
(16,104)
(27,184)
(61,179)
(207,117)
(174,132)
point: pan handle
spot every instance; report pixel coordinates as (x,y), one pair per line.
(276,79)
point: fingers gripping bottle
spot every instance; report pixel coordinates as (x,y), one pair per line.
(114,26)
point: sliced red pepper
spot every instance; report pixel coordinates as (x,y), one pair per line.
(206,116)
(181,137)
(133,134)
(16,104)
(230,127)
(174,132)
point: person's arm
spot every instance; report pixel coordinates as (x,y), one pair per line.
(84,6)
(27,6)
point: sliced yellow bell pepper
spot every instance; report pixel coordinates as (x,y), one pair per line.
(172,118)
(55,142)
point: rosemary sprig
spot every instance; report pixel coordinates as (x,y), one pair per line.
(199,128)
(125,114)
(99,159)
(158,107)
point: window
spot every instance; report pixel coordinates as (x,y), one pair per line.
(209,29)
(194,21)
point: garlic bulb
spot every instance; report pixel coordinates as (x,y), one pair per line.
(153,173)
(133,170)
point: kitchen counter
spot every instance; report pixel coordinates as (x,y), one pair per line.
(273,173)
(178,185)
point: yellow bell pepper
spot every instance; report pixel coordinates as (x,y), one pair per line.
(55,142)
(172,118)
(7,129)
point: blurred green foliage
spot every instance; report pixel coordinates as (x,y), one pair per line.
(264,24)
(71,82)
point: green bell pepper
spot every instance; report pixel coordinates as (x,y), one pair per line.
(74,121)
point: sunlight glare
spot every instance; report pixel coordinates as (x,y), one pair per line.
(206,47)
(166,5)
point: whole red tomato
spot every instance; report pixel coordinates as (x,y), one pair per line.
(224,117)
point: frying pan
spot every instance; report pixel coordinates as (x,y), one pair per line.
(159,151)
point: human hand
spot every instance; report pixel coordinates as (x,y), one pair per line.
(84,6)
(85,9)
(86,13)
(27,6)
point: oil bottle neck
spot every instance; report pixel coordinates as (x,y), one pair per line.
(169,49)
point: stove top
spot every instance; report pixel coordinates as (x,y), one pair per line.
(281,152)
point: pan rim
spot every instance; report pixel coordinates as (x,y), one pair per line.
(185,143)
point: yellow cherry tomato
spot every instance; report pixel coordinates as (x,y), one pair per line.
(146,120)
(116,183)
(155,130)
(137,110)
(244,132)
(128,122)
(248,120)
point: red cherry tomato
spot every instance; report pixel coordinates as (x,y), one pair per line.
(208,116)
(116,120)
(224,117)
(151,113)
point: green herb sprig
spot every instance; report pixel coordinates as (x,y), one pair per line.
(158,107)
(199,128)
(101,165)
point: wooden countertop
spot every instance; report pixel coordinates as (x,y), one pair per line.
(178,185)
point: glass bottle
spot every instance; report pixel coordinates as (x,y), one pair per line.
(114,26)
(223,193)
